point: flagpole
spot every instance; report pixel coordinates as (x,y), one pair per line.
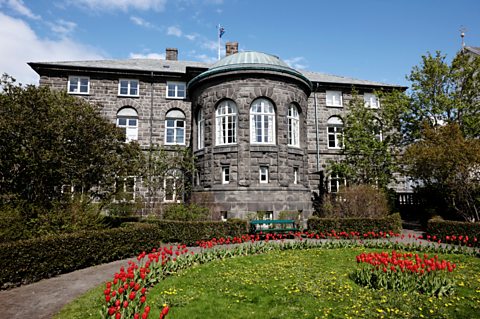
(218,36)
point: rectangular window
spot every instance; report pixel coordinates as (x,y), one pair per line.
(125,189)
(175,131)
(335,137)
(295,175)
(336,181)
(223,216)
(169,189)
(334,98)
(176,90)
(78,85)
(371,101)
(128,87)
(225,175)
(263,174)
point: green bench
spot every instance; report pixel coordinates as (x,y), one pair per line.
(273,226)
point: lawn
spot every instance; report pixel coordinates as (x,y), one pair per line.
(311,283)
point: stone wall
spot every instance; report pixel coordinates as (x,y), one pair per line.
(244,193)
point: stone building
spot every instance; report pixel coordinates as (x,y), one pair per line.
(261,131)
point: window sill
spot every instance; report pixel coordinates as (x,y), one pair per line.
(123,95)
(336,106)
(175,98)
(78,93)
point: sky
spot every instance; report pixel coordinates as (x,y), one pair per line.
(377,40)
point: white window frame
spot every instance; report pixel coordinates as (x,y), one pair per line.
(130,116)
(263,177)
(174,175)
(334,98)
(335,130)
(226,175)
(77,81)
(226,123)
(295,175)
(337,181)
(293,118)
(371,101)
(176,90)
(200,130)
(124,181)
(266,117)
(129,87)
(175,116)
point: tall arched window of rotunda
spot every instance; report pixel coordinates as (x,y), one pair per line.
(200,130)
(262,122)
(127,119)
(226,123)
(293,118)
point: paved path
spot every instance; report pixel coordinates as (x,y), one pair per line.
(43,299)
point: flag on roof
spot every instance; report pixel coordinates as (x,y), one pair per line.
(221,31)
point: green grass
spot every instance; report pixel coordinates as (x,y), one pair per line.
(294,284)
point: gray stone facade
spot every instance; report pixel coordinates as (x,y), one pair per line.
(240,81)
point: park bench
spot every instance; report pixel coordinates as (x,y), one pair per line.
(273,226)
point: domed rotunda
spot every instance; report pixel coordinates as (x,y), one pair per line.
(250,136)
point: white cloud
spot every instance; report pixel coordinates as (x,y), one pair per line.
(123,5)
(19,7)
(20,45)
(141,22)
(173,30)
(298,62)
(62,27)
(152,55)
(191,37)
(209,45)
(205,58)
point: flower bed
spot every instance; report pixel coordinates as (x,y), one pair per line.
(405,272)
(454,232)
(391,223)
(122,299)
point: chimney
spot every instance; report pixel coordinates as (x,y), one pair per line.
(171,54)
(231,48)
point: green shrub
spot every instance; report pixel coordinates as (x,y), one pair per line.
(362,225)
(356,201)
(192,231)
(185,212)
(26,261)
(469,232)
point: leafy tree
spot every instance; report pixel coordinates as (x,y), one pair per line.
(49,139)
(369,140)
(447,164)
(440,93)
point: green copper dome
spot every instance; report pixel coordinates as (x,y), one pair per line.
(250,61)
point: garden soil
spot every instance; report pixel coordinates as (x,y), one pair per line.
(43,299)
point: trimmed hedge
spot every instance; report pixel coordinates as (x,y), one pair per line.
(26,261)
(192,231)
(362,225)
(443,228)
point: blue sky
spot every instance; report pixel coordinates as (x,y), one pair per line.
(369,39)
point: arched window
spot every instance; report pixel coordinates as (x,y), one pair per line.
(200,130)
(226,123)
(293,126)
(127,119)
(175,127)
(335,132)
(262,122)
